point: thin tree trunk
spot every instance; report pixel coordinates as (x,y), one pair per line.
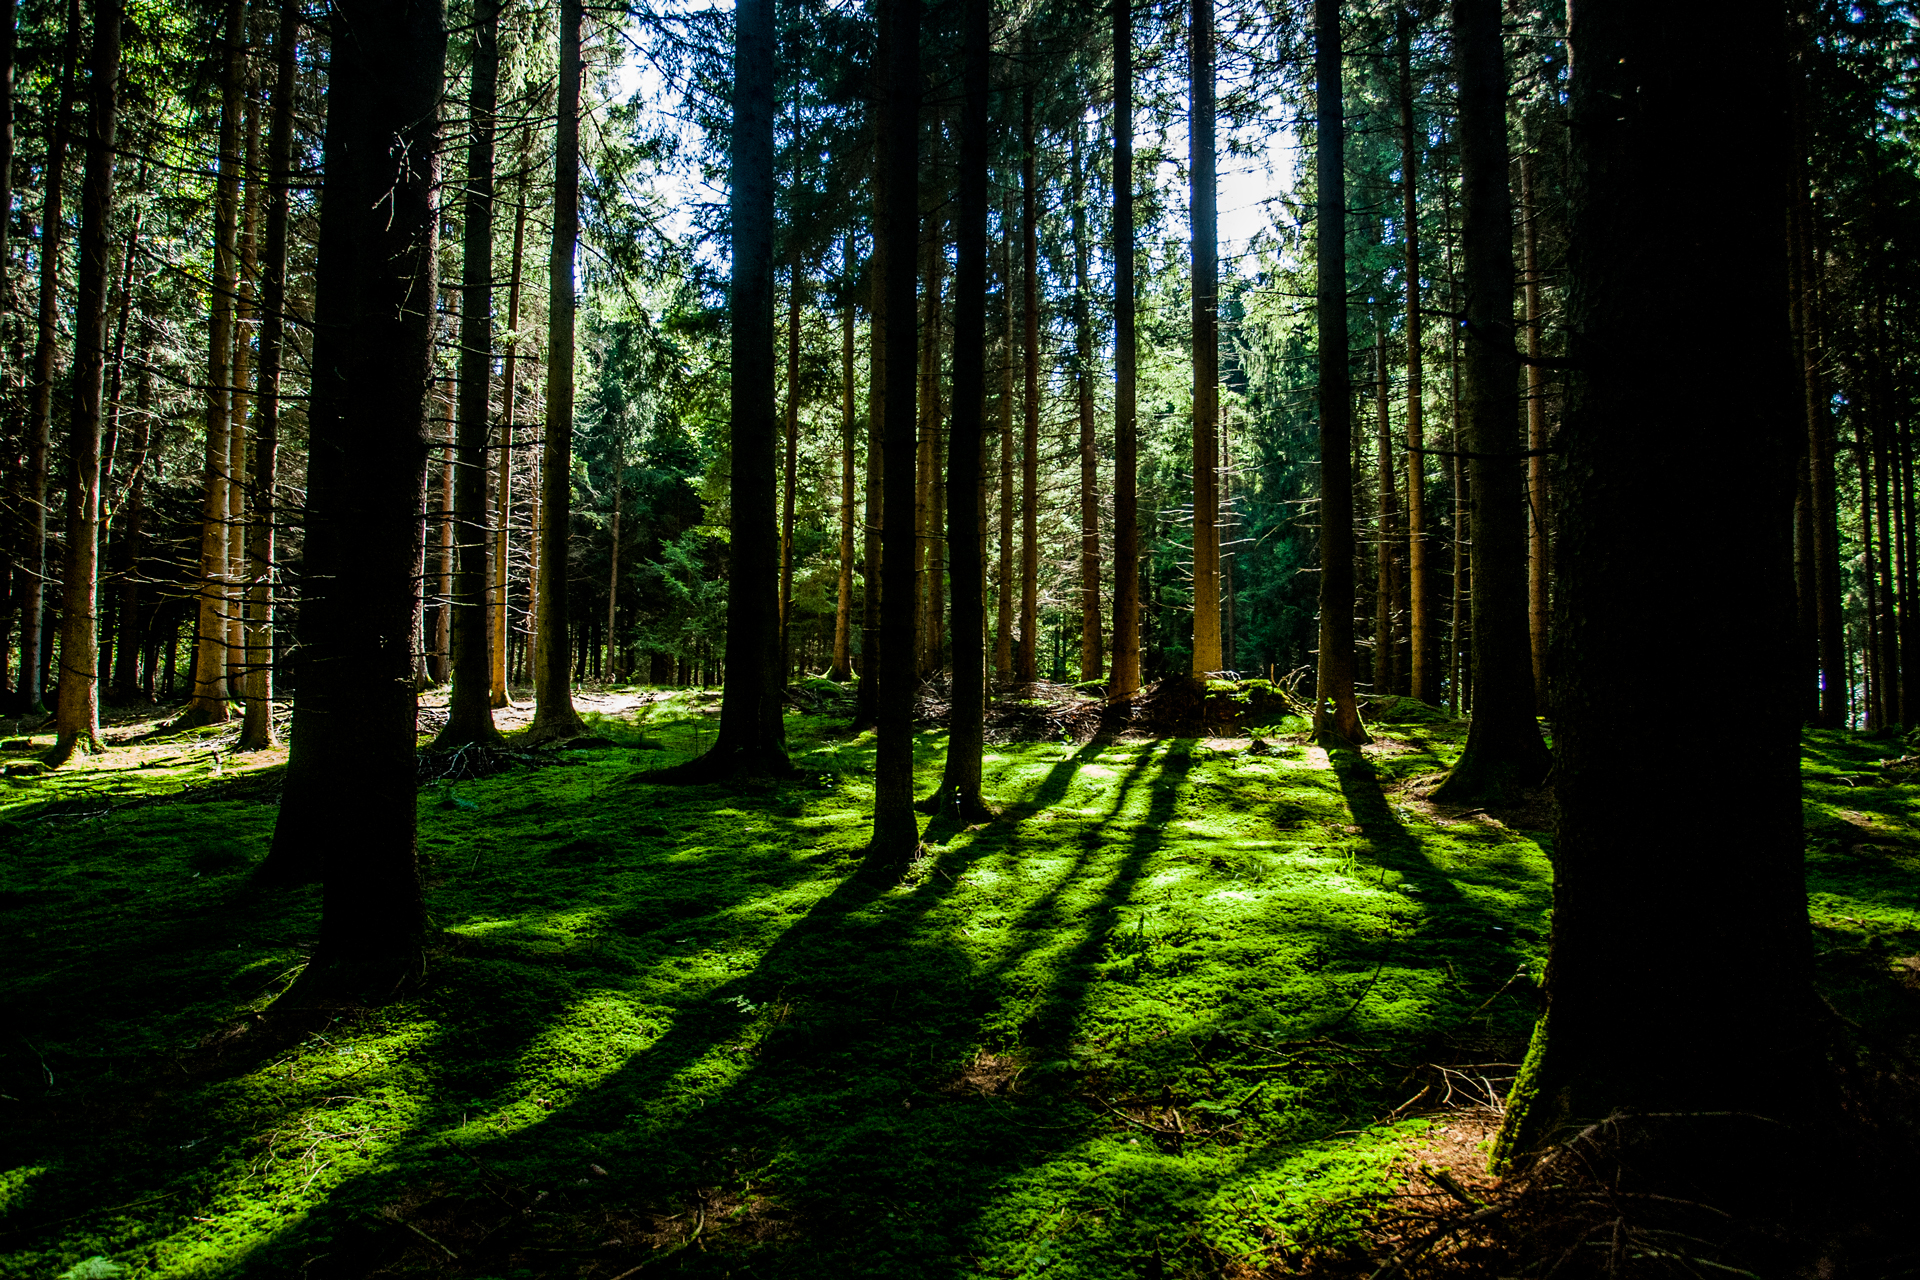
(256,729)
(245,322)
(470,700)
(500,695)
(1336,713)
(960,798)
(1091,657)
(9,41)
(554,716)
(1026,667)
(896,829)
(1386,672)
(1126,444)
(790,470)
(78,724)
(613,574)
(1505,753)
(866,702)
(752,737)
(1423,637)
(1206,344)
(127,683)
(212,659)
(1537,544)
(842,669)
(33,655)
(935,617)
(369,436)
(1003,624)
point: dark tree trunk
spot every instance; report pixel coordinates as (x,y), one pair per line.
(1336,714)
(790,470)
(499,695)
(33,653)
(960,798)
(369,434)
(213,656)
(9,41)
(752,737)
(134,615)
(554,716)
(842,666)
(470,701)
(1026,662)
(1003,604)
(866,701)
(1126,444)
(1538,547)
(896,830)
(1091,657)
(1505,753)
(1206,345)
(1423,637)
(1640,1017)
(256,730)
(79,711)
(1386,595)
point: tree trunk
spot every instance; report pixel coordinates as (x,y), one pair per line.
(866,701)
(1003,624)
(1026,666)
(554,716)
(896,829)
(842,669)
(256,729)
(500,695)
(78,724)
(369,435)
(28,699)
(1092,659)
(1537,542)
(246,320)
(1830,614)
(470,700)
(1126,443)
(1386,672)
(9,42)
(790,471)
(613,573)
(1336,714)
(1206,345)
(752,737)
(133,635)
(212,658)
(1505,754)
(1423,647)
(960,799)
(1714,1084)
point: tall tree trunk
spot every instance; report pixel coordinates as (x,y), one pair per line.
(500,696)
(1715,1083)
(935,617)
(866,702)
(1386,671)
(246,320)
(470,700)
(256,729)
(1126,443)
(1505,753)
(1091,657)
(1026,663)
(1537,541)
(1336,713)
(33,655)
(1459,637)
(1423,637)
(78,723)
(790,470)
(842,669)
(369,434)
(554,716)
(1003,623)
(613,573)
(896,829)
(752,737)
(212,657)
(1206,344)
(1830,615)
(960,798)
(9,43)
(127,684)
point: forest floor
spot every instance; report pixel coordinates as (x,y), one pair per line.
(1188,1007)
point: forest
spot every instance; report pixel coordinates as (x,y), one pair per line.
(959,638)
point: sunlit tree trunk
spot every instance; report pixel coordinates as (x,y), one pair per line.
(78,716)
(1026,663)
(1126,500)
(1423,637)
(1206,343)
(1091,656)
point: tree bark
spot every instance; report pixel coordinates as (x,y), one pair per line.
(1026,663)
(752,737)
(1715,1085)
(1423,638)
(554,717)
(1003,624)
(960,798)
(256,729)
(9,43)
(1538,554)
(791,468)
(369,434)
(1092,659)
(212,657)
(896,828)
(1126,443)
(1386,670)
(1336,713)
(28,699)
(1505,754)
(470,700)
(866,702)
(842,669)
(246,320)
(1206,344)
(78,724)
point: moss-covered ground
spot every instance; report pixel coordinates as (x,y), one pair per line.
(1158,1019)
